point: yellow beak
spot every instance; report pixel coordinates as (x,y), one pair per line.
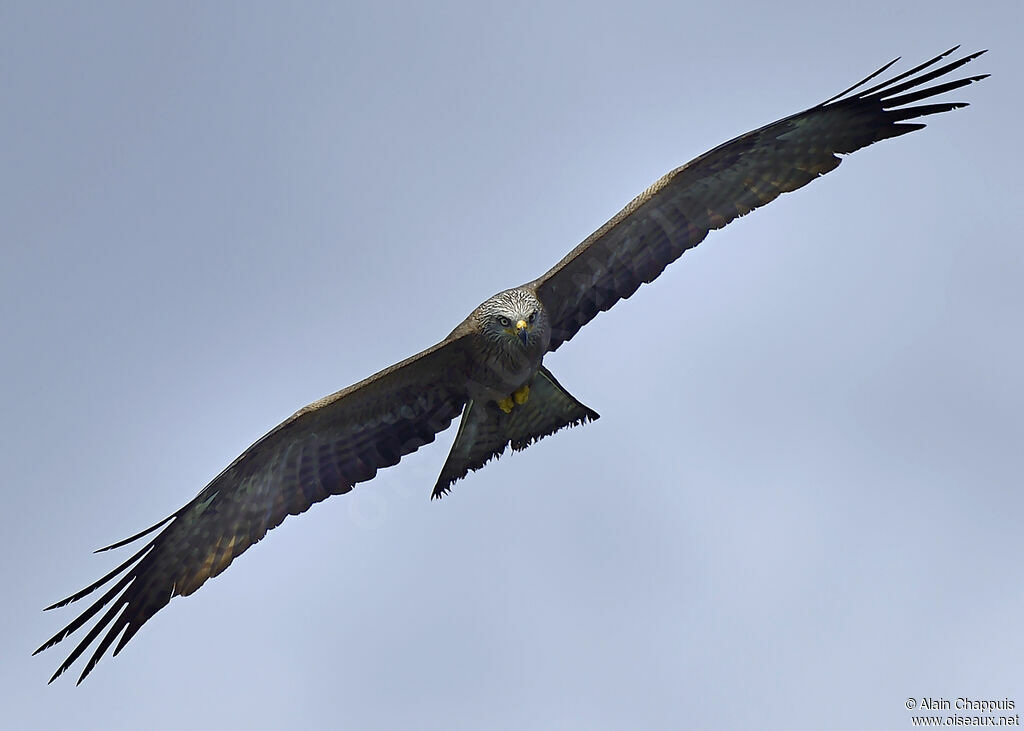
(522,330)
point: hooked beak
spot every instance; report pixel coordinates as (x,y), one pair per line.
(523,331)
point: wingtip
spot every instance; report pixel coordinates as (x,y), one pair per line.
(58,673)
(85,673)
(50,642)
(137,536)
(65,601)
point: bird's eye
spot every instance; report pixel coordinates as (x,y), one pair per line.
(533,316)
(504,321)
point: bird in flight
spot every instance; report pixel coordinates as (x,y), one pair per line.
(490,368)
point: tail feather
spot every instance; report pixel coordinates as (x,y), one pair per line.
(486,431)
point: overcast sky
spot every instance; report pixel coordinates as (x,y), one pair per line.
(802,504)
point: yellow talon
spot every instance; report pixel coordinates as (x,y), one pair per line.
(518,396)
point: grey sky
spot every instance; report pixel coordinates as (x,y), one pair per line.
(801,505)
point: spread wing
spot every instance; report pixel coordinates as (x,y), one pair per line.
(678,211)
(323,450)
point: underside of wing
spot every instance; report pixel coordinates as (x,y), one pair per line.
(323,450)
(678,211)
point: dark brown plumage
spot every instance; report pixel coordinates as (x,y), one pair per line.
(490,368)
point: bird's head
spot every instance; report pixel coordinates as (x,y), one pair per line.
(514,318)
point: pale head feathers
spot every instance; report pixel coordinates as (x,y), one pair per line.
(514,317)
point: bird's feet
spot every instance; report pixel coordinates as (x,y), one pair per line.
(519,396)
